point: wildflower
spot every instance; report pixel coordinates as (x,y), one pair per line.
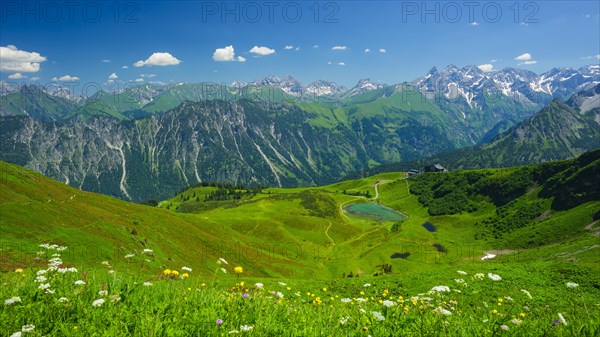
(98,302)
(147,284)
(440,289)
(106,263)
(115,298)
(279,294)
(223,270)
(504,327)
(516,321)
(103,292)
(222,260)
(40,279)
(572,285)
(494,277)
(50,291)
(508,298)
(41,272)
(219,321)
(27,328)
(282,284)
(44,286)
(388,303)
(238,270)
(366,285)
(233,331)
(288,288)
(442,311)
(361,300)
(479,276)
(167,272)
(378,315)
(245,328)
(346,300)
(344,320)
(79,282)
(522,315)
(186,269)
(147,251)
(462,272)
(128,256)
(526,293)
(111,271)
(259,285)
(494,311)
(19,270)
(324,289)
(16,334)
(185,275)
(500,300)
(12,300)
(63,299)
(562,319)
(245,295)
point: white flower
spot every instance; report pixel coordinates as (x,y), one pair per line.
(72,270)
(344,320)
(378,315)
(147,251)
(526,293)
(147,284)
(61,248)
(259,285)
(478,276)
(188,269)
(279,294)
(27,328)
(508,298)
(111,271)
(346,300)
(106,263)
(572,285)
(360,300)
(282,283)
(12,300)
(462,272)
(128,256)
(504,327)
(16,334)
(516,321)
(459,280)
(233,332)
(41,272)
(79,282)
(98,302)
(440,289)
(366,285)
(41,279)
(62,270)
(562,319)
(44,286)
(223,270)
(389,303)
(103,292)
(245,328)
(115,298)
(494,277)
(50,291)
(63,299)
(442,311)
(222,260)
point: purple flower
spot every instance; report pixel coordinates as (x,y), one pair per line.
(219,321)
(555,322)
(245,295)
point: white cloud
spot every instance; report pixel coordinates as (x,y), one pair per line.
(148,75)
(158,59)
(524,57)
(527,62)
(597,56)
(17,60)
(329,62)
(493,61)
(105,61)
(367,50)
(113,76)
(66,78)
(16,76)
(241,59)
(316,46)
(288,47)
(34,78)
(381,50)
(139,80)
(110,81)
(125,67)
(474,24)
(339,48)
(341,63)
(262,51)
(486,67)
(226,54)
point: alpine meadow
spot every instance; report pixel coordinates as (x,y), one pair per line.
(292,168)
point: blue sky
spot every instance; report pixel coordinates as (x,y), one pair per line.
(403,37)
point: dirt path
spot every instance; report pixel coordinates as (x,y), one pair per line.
(327,234)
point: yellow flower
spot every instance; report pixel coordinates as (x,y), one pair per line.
(185,275)
(288,288)
(242,284)
(324,289)
(522,315)
(500,300)
(167,271)
(362,292)
(18,270)
(174,272)
(238,270)
(203,284)
(406,309)
(494,311)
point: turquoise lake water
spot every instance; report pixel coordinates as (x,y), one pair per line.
(375,212)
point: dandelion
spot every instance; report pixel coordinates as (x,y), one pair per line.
(440,289)
(167,272)
(185,275)
(259,286)
(63,299)
(522,315)
(572,285)
(219,321)
(562,319)
(378,315)
(147,284)
(222,260)
(79,282)
(504,327)
(462,272)
(245,327)
(98,302)
(27,328)
(103,292)
(238,270)
(494,311)
(12,300)
(388,303)
(186,269)
(19,270)
(526,293)
(442,311)
(494,277)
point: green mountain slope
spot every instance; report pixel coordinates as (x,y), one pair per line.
(33,101)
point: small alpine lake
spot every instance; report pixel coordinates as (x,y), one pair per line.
(374,211)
